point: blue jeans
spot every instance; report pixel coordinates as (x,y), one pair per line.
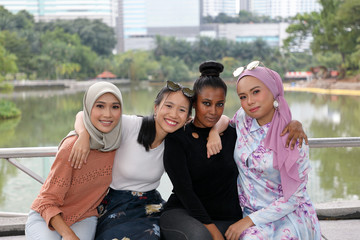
(37,229)
(129,215)
(177,224)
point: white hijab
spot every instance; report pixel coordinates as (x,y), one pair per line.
(104,142)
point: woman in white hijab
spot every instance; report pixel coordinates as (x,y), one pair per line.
(66,205)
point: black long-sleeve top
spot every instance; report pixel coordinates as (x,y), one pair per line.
(205,187)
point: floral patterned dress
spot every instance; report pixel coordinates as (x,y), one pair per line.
(260,191)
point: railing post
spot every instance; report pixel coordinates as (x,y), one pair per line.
(26,170)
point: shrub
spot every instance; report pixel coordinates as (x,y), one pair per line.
(8,110)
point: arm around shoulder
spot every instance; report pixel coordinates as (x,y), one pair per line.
(81,148)
(295,130)
(214,145)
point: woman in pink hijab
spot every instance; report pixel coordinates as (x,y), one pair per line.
(272,178)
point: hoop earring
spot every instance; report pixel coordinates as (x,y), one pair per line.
(276,104)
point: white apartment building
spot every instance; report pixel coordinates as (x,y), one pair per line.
(48,10)
(214,7)
(279,8)
(142,20)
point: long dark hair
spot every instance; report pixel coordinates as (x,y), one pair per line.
(147,131)
(210,77)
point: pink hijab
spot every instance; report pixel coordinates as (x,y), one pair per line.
(284,158)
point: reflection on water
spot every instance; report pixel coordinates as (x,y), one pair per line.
(47,116)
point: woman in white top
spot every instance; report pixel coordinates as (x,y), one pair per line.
(132,207)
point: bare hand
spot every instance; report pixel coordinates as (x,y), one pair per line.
(214,231)
(236,229)
(296,132)
(213,145)
(58,223)
(80,152)
(73,237)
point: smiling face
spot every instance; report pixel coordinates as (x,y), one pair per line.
(172,113)
(256,99)
(105,113)
(209,106)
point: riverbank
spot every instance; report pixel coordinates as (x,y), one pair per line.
(350,86)
(59,84)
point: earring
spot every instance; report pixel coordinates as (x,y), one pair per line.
(276,104)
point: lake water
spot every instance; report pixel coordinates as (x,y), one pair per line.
(48,115)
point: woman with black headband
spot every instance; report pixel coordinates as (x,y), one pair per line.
(204,202)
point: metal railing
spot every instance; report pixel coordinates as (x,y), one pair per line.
(29,152)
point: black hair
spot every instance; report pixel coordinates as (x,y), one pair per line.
(210,77)
(147,131)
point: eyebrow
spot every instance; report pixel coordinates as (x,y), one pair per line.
(105,102)
(250,90)
(170,102)
(210,100)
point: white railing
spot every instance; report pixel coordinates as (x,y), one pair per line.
(29,152)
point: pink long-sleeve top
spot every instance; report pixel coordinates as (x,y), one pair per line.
(74,193)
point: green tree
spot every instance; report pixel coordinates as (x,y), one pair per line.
(20,47)
(102,63)
(174,69)
(7,63)
(230,64)
(63,55)
(243,17)
(6,19)
(23,21)
(334,30)
(135,65)
(93,33)
(170,46)
(206,48)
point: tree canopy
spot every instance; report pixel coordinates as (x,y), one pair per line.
(52,50)
(335,30)
(82,48)
(93,33)
(243,17)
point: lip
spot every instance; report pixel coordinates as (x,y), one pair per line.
(170,122)
(254,109)
(106,122)
(212,119)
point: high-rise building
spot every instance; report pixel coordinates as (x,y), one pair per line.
(142,20)
(244,5)
(279,8)
(48,10)
(134,17)
(214,7)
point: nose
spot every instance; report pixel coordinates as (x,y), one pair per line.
(212,109)
(173,112)
(250,100)
(107,112)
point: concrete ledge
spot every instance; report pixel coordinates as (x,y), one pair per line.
(338,220)
(12,224)
(338,210)
(340,229)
